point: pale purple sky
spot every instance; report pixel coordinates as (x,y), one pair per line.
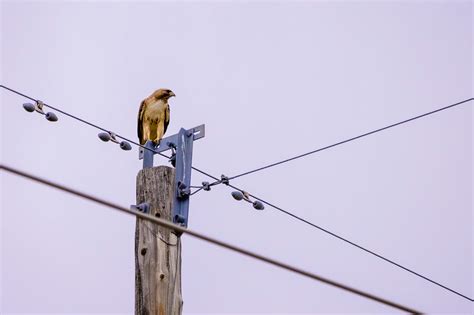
(269,80)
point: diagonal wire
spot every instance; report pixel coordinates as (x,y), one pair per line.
(350,139)
(358,246)
(219,181)
(209,239)
(82,120)
(101,128)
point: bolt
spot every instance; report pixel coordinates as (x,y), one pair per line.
(143,251)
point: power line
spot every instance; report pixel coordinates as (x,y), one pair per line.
(82,120)
(359,247)
(209,239)
(219,181)
(349,140)
(101,128)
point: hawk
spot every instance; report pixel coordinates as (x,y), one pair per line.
(154,116)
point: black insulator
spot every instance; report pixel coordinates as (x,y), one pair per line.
(124,145)
(237,195)
(29,107)
(104,136)
(51,116)
(258,205)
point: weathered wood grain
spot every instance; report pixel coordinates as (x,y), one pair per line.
(157,249)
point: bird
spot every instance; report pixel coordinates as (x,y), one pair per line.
(154,116)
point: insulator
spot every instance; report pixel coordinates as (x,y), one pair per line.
(51,116)
(237,195)
(29,107)
(124,145)
(104,136)
(258,205)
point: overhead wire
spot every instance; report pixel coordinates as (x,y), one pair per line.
(348,140)
(292,215)
(179,229)
(100,128)
(362,248)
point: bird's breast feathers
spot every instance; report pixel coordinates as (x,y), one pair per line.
(155,111)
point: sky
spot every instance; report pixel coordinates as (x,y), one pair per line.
(270,80)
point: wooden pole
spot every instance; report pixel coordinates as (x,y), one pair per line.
(157,249)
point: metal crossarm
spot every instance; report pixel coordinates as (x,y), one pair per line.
(181,144)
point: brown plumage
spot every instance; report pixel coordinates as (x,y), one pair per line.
(154,116)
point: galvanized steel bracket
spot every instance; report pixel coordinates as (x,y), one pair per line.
(182,146)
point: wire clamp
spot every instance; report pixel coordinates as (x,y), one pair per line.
(143,207)
(183,191)
(224,180)
(172,158)
(206,186)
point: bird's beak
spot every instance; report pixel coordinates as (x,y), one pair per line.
(172,94)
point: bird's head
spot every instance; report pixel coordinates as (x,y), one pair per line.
(163,94)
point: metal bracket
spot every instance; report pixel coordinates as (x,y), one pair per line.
(166,144)
(182,144)
(39,107)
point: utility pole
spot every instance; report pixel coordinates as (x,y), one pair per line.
(162,192)
(157,249)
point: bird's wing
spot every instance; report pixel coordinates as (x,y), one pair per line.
(141,112)
(167,118)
